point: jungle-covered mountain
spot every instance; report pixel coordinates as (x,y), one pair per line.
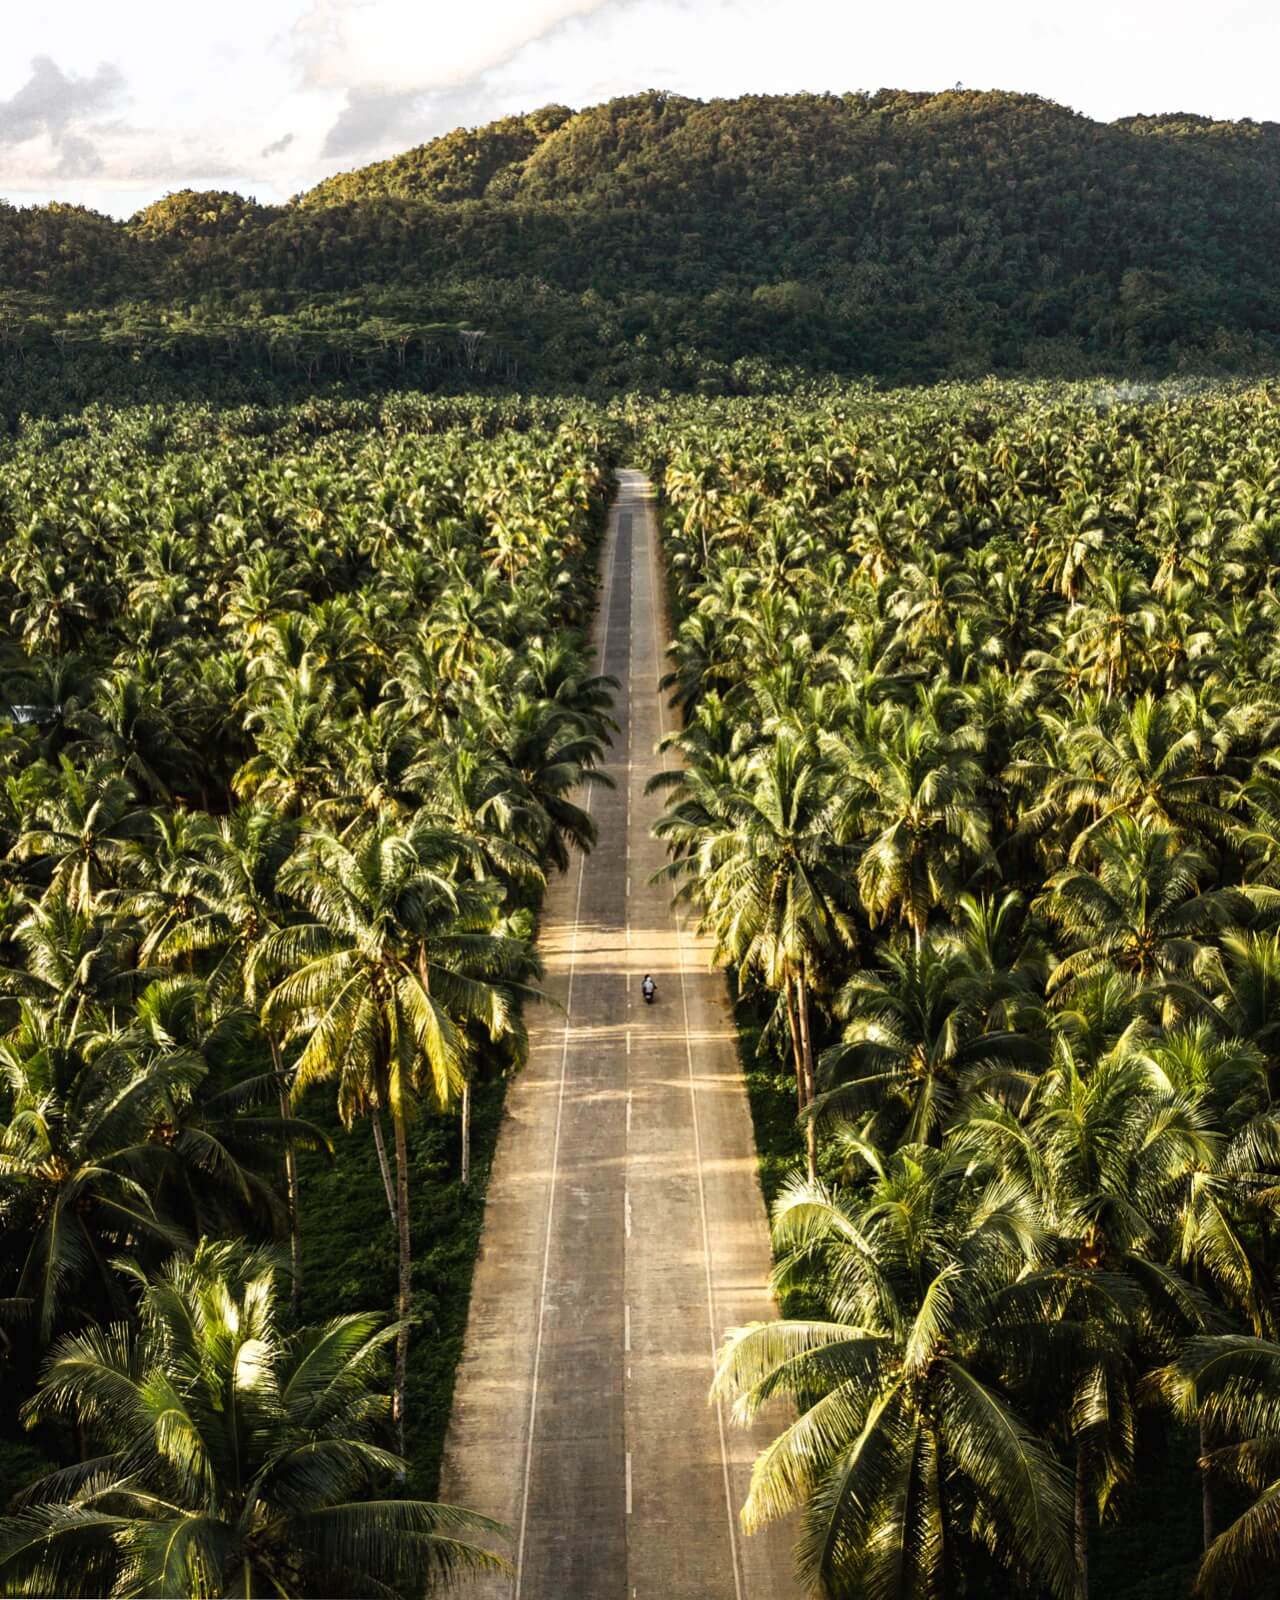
(657,240)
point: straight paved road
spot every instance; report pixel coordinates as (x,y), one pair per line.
(625,1230)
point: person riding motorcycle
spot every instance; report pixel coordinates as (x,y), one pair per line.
(648,988)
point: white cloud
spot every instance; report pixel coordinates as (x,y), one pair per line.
(398,45)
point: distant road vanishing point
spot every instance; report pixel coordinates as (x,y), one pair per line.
(625,1229)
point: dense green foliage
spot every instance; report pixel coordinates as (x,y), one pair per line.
(295,701)
(657,241)
(979,801)
(979,795)
(236,1458)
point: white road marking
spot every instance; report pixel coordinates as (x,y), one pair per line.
(628,1045)
(555,1144)
(628,886)
(628,1483)
(626,1207)
(628,1104)
(697,1137)
(626,1326)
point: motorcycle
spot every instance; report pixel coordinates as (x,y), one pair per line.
(648,990)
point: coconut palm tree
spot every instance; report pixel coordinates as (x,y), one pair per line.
(915,1042)
(1136,764)
(293,725)
(231,1458)
(397,960)
(1111,632)
(1144,913)
(226,892)
(760,861)
(913,803)
(82,833)
(908,1450)
(551,752)
(78,1167)
(1222,1211)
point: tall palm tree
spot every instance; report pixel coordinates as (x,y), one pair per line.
(913,801)
(1137,763)
(1111,632)
(551,751)
(78,1166)
(1144,913)
(760,860)
(227,894)
(1110,1153)
(1243,977)
(83,831)
(1222,1210)
(907,1451)
(398,959)
(914,1043)
(233,1458)
(293,725)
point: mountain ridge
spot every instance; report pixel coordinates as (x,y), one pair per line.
(663,241)
(532,142)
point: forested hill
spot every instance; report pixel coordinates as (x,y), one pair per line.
(662,240)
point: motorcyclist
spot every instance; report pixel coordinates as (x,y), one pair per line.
(647,987)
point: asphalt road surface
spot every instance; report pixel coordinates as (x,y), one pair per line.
(625,1229)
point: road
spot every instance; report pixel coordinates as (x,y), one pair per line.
(624,1229)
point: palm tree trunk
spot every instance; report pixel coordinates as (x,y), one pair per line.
(810,1130)
(384,1165)
(1082,1520)
(291,1178)
(466,1132)
(797,1050)
(404,1295)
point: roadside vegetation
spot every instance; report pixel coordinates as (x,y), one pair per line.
(980,799)
(296,701)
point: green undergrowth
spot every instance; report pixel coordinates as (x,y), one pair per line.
(349,1248)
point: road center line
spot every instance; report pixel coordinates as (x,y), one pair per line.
(555,1143)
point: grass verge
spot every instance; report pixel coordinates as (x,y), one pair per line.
(349,1248)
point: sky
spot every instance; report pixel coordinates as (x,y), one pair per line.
(114,103)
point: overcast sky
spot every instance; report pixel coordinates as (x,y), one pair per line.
(114,103)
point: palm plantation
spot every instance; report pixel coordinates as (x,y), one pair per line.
(1015,656)
(275,829)
(975,791)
